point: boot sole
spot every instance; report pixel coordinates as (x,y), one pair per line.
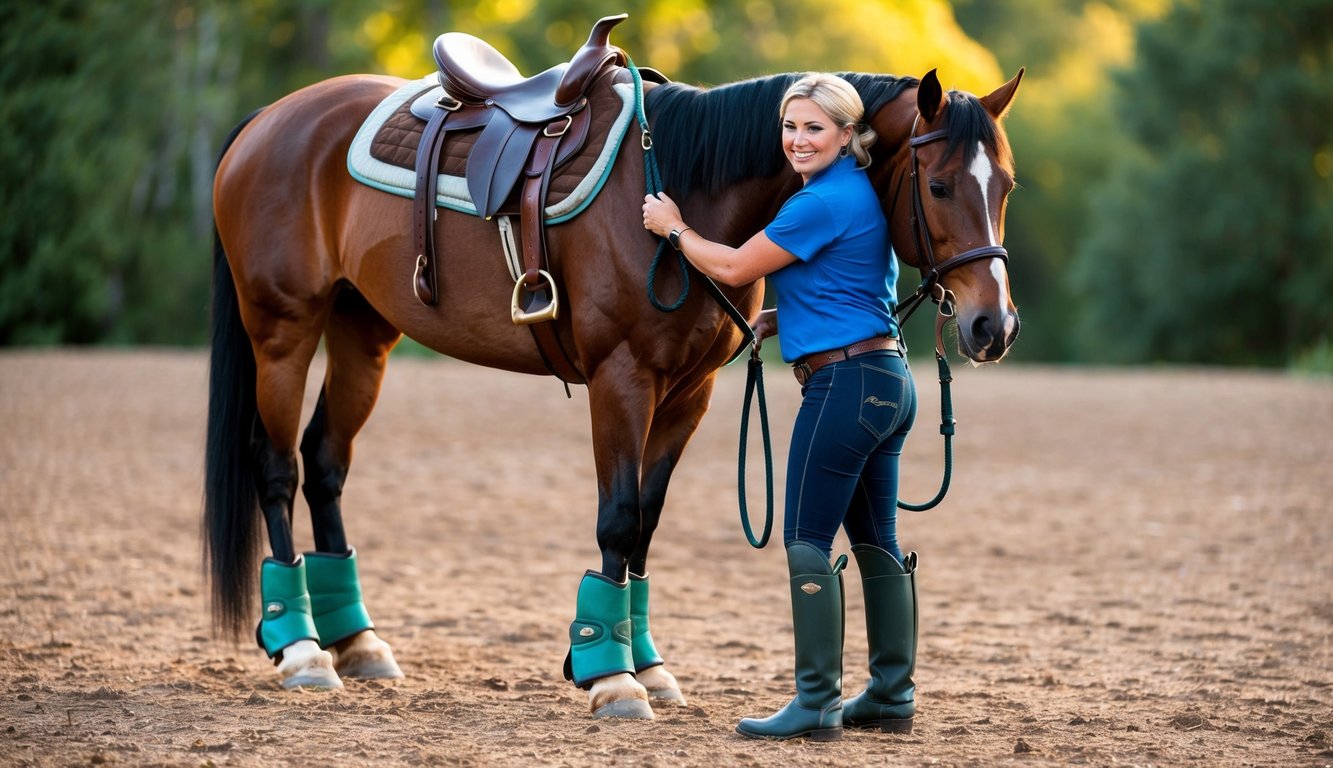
(896,725)
(822,734)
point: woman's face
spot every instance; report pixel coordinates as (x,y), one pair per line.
(810,138)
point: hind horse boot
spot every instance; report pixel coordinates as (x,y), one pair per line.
(600,658)
(817,616)
(287,631)
(889,701)
(344,626)
(649,668)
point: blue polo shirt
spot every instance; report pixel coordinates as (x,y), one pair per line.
(841,288)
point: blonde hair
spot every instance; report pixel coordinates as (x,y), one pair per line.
(841,103)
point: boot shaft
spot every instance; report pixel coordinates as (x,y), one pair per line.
(891,622)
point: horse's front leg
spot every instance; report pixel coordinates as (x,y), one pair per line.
(601,660)
(672,426)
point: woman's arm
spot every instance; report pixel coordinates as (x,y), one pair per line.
(758,257)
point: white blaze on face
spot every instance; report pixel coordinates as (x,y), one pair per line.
(981,169)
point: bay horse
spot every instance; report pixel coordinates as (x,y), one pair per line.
(306,253)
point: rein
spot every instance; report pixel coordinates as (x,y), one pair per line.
(754,380)
(931,273)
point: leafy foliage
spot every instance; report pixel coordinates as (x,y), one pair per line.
(1212,236)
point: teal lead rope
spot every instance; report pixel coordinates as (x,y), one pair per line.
(754,380)
(947,423)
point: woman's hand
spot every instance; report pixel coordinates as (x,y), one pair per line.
(661,215)
(765,324)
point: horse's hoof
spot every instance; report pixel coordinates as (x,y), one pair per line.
(619,695)
(318,679)
(629,709)
(366,656)
(662,686)
(305,665)
(371,669)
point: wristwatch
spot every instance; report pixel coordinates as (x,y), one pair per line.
(673,236)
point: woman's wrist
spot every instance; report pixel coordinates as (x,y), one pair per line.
(675,233)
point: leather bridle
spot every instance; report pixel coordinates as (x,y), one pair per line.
(932,271)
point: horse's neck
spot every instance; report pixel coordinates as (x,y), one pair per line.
(737,213)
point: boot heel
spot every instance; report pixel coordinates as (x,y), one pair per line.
(826,734)
(903,725)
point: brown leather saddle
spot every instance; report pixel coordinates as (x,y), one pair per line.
(524,124)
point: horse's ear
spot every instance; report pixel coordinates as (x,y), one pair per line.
(997,102)
(929,96)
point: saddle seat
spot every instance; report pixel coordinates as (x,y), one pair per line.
(475,73)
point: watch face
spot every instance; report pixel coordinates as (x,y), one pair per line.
(673,237)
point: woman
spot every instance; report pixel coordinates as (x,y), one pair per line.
(828,256)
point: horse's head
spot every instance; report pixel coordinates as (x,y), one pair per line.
(946,190)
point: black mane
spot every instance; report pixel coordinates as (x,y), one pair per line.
(709,139)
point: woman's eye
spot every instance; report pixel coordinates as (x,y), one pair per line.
(939,190)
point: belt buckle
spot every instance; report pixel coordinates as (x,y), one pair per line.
(802,372)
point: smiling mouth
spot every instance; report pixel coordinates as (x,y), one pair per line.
(802,155)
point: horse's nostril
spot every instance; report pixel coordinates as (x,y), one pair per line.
(982,334)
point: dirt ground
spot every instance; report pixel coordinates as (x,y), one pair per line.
(1133,567)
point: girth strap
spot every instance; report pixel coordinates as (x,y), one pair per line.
(536,281)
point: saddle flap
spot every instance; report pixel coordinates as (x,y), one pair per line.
(497,161)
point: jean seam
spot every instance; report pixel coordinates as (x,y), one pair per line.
(805,468)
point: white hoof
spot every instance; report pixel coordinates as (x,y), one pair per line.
(661,685)
(619,696)
(304,665)
(366,656)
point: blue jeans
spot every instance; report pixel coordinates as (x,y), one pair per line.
(842,468)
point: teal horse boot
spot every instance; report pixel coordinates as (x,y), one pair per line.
(649,667)
(817,615)
(601,658)
(341,618)
(287,631)
(287,612)
(889,701)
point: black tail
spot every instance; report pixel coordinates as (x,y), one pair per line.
(231,503)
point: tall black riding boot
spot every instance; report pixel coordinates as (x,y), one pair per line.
(888,703)
(817,611)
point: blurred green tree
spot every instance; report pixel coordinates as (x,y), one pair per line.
(1065,136)
(1211,240)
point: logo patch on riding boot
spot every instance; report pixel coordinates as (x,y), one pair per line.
(810,587)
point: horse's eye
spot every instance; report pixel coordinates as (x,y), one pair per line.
(939,190)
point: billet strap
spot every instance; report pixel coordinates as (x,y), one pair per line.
(423,203)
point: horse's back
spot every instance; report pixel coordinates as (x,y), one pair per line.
(313,125)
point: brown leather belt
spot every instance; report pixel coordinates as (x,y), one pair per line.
(806,366)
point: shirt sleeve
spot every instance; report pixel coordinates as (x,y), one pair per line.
(803,227)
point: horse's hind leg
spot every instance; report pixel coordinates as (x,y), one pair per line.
(284,344)
(672,426)
(357,344)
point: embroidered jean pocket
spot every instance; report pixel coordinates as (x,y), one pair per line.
(882,400)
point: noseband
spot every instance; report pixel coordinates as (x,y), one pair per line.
(932,271)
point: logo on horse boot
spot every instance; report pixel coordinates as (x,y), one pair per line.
(810,587)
